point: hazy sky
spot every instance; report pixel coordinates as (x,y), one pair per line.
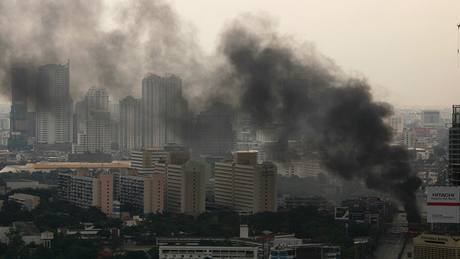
(405,48)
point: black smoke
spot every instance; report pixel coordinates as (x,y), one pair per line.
(255,71)
(109,46)
(305,93)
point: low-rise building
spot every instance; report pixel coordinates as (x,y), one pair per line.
(430,246)
(27,201)
(170,248)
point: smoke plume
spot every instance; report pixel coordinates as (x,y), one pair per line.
(108,46)
(310,98)
(254,70)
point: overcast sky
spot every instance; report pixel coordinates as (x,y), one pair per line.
(405,48)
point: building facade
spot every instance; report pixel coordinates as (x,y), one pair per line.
(130,127)
(162,110)
(53,107)
(144,193)
(94,123)
(207,248)
(185,187)
(22,123)
(245,186)
(454,146)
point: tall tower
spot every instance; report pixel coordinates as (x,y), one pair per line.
(454,146)
(94,134)
(162,110)
(54,106)
(22,127)
(130,137)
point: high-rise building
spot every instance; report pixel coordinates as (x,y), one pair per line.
(144,193)
(22,128)
(94,125)
(244,185)
(54,107)
(162,110)
(454,146)
(185,187)
(213,133)
(79,189)
(143,161)
(130,127)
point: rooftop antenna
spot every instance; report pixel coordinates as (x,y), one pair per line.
(458,48)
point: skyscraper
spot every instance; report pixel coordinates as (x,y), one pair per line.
(95,129)
(22,128)
(244,185)
(454,146)
(130,136)
(162,110)
(54,107)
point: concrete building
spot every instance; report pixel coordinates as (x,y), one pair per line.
(207,248)
(27,201)
(144,160)
(94,125)
(454,146)
(130,127)
(144,193)
(162,110)
(22,122)
(244,185)
(185,187)
(427,246)
(54,108)
(310,251)
(84,190)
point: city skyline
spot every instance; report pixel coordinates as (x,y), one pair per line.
(417,46)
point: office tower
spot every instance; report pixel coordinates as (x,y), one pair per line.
(144,193)
(162,110)
(185,187)
(54,107)
(130,127)
(244,185)
(22,127)
(94,125)
(213,131)
(454,146)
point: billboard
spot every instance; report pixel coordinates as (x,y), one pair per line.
(342,213)
(443,204)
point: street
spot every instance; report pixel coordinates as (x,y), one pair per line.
(391,244)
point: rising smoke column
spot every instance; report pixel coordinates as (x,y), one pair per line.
(309,96)
(110,44)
